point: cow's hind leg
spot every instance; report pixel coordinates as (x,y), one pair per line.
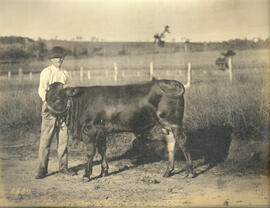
(171,150)
(91,151)
(182,141)
(101,145)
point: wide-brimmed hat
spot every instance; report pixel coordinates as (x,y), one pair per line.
(57,52)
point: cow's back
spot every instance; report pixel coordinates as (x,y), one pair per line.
(116,104)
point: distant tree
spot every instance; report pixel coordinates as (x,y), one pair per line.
(159,38)
(266,43)
(79,51)
(122,52)
(186,43)
(94,39)
(14,54)
(41,48)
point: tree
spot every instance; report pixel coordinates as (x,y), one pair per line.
(41,48)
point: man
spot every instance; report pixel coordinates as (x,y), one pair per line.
(49,75)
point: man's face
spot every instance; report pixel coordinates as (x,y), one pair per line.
(57,62)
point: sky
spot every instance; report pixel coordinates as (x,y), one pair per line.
(135,20)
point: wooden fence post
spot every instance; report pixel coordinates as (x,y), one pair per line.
(89,75)
(189,75)
(230,68)
(20,74)
(9,75)
(151,70)
(81,73)
(115,71)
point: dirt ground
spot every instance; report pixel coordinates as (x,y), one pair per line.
(130,183)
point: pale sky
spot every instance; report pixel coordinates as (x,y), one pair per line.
(135,20)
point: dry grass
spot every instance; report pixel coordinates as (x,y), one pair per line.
(249,59)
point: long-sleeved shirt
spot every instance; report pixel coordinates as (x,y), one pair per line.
(50,75)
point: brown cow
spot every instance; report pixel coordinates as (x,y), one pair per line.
(92,113)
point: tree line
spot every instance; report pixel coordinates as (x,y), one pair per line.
(14,48)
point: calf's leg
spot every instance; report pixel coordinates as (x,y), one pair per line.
(91,151)
(182,141)
(171,150)
(101,145)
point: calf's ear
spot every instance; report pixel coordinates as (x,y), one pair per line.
(71,91)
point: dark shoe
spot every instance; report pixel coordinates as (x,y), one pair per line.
(41,174)
(68,172)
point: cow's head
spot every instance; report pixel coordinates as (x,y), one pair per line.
(57,97)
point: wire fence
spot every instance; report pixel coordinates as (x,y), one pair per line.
(116,76)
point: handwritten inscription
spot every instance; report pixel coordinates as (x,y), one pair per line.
(20,191)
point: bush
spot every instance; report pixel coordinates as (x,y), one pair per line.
(122,52)
(14,54)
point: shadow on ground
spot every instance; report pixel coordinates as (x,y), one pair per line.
(211,144)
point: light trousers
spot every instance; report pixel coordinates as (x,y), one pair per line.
(48,131)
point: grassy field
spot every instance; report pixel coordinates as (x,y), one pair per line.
(211,99)
(249,59)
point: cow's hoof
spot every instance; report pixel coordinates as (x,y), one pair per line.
(40,175)
(68,172)
(168,173)
(105,173)
(190,175)
(86,178)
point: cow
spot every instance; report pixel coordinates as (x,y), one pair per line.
(94,112)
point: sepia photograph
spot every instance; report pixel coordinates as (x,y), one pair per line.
(134,103)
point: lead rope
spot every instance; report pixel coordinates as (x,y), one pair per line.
(64,117)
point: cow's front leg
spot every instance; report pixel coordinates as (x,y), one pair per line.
(91,151)
(101,144)
(171,150)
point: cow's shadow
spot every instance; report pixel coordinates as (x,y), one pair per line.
(211,144)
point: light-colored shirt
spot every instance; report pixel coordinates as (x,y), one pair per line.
(50,75)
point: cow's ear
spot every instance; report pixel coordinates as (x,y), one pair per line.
(71,91)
